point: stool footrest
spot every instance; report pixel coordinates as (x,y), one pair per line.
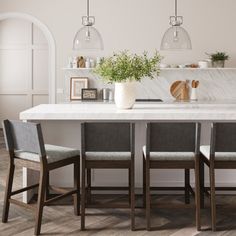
(107,205)
(108,188)
(60,190)
(166,205)
(22,204)
(60,197)
(24,189)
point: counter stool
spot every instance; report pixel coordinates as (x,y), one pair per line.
(107,146)
(171,146)
(221,154)
(26,148)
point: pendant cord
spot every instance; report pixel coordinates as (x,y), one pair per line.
(88,8)
(176,8)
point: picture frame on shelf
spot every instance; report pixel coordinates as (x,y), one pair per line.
(76,86)
(89,94)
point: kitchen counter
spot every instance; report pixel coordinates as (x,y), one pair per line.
(168,110)
(61,126)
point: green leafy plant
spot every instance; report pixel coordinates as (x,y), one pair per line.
(218,56)
(123,66)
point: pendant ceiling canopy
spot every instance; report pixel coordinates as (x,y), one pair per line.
(176,37)
(88,36)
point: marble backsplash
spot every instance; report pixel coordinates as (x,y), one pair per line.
(215,84)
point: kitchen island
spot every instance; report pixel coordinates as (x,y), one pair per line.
(61,126)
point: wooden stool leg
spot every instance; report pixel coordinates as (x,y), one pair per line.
(186,187)
(148,199)
(77,187)
(197,193)
(144,183)
(129,173)
(8,193)
(47,193)
(40,203)
(213,202)
(202,184)
(89,186)
(132,195)
(83,197)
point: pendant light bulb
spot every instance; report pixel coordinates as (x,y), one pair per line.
(175,38)
(88,36)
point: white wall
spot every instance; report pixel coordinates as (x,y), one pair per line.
(136,25)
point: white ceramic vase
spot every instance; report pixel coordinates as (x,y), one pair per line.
(125,95)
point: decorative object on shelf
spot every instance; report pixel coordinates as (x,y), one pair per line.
(89,94)
(124,69)
(218,59)
(76,86)
(195,84)
(181,66)
(164,66)
(87,63)
(111,95)
(92,63)
(203,64)
(191,65)
(105,93)
(70,62)
(180,90)
(75,63)
(176,37)
(98,60)
(88,37)
(81,62)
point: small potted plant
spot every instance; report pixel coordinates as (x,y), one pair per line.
(218,59)
(124,69)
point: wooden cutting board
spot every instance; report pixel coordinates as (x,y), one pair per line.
(179,90)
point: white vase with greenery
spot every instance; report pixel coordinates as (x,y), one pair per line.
(124,69)
(125,94)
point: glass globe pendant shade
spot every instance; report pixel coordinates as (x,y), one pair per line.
(176,38)
(88,37)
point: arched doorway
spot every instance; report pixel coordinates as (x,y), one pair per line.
(37,26)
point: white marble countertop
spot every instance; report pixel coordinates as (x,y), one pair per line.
(224,110)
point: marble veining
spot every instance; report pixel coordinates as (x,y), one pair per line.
(215,84)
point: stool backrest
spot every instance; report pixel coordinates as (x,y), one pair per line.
(24,136)
(173,137)
(107,137)
(223,137)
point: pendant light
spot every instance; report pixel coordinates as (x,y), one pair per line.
(176,37)
(88,36)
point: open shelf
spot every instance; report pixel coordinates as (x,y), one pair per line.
(77,69)
(162,69)
(204,69)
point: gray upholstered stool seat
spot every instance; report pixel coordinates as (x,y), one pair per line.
(170,156)
(54,153)
(219,156)
(108,156)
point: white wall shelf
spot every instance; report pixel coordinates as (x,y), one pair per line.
(204,69)
(162,69)
(77,69)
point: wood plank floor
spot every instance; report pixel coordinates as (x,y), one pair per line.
(60,220)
